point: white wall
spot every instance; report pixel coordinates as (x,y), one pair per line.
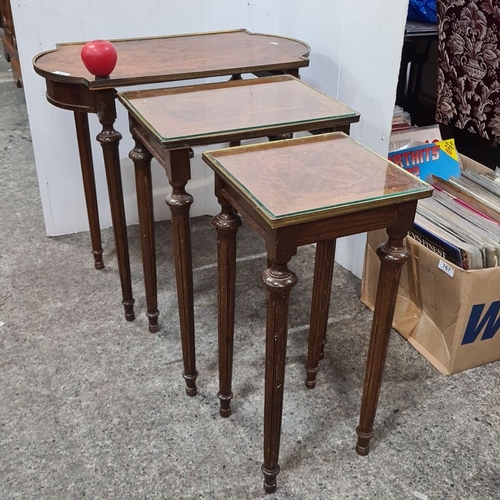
(356,47)
(355,55)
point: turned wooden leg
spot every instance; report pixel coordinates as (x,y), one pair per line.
(322,286)
(142,163)
(227,223)
(110,139)
(279,280)
(87,167)
(393,255)
(180,202)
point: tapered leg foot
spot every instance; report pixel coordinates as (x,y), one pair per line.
(311,377)
(270,479)
(128,306)
(191,389)
(98,264)
(363,445)
(154,327)
(225,404)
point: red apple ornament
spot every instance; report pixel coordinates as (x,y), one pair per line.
(99,57)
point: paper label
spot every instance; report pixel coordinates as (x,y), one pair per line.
(448,146)
(446,268)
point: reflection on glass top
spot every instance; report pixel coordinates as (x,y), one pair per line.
(312,174)
(180,57)
(218,109)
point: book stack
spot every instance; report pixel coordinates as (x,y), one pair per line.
(401,119)
(461,222)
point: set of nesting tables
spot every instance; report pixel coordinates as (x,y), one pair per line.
(292,192)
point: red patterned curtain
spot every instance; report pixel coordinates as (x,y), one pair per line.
(468,94)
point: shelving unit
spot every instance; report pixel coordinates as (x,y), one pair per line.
(416,90)
(9,41)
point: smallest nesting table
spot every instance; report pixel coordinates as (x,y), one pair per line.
(296,192)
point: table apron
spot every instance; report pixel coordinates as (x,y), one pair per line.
(347,224)
(71,97)
(314,128)
(150,141)
(306,233)
(162,152)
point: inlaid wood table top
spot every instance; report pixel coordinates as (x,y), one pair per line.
(314,177)
(293,193)
(194,115)
(178,57)
(147,61)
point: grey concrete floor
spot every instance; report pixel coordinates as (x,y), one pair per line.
(92,406)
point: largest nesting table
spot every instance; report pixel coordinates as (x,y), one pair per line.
(145,61)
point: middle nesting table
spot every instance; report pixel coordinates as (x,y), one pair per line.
(166,123)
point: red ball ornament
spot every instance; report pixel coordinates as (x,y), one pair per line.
(99,57)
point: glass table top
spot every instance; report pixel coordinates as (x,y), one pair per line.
(186,115)
(178,57)
(330,173)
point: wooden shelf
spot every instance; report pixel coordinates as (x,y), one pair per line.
(9,41)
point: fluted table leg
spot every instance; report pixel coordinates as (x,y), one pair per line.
(109,139)
(227,223)
(322,286)
(89,188)
(180,202)
(393,254)
(144,189)
(278,280)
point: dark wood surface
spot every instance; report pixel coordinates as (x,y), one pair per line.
(241,109)
(184,116)
(335,188)
(145,61)
(178,57)
(331,188)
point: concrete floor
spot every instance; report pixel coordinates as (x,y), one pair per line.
(94,407)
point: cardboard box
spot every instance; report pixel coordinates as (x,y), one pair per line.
(451,316)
